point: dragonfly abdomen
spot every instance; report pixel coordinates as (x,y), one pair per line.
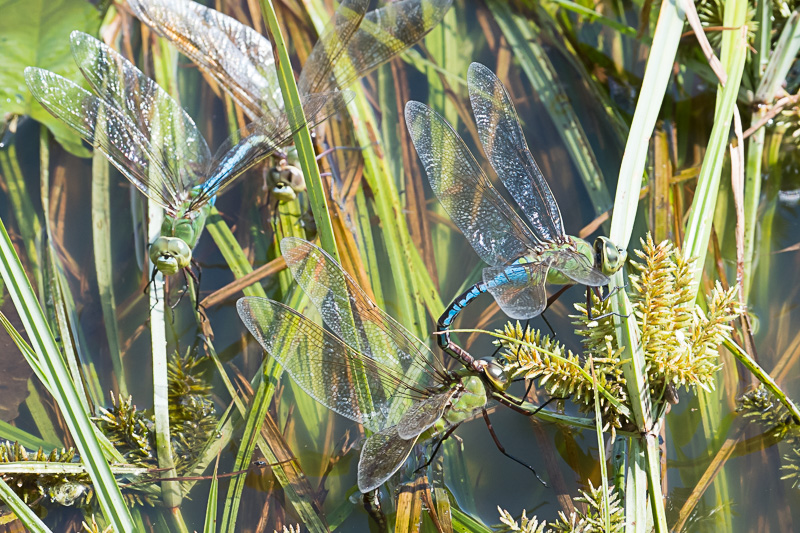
(446,320)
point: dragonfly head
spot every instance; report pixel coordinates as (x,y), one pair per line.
(170,255)
(496,374)
(608,257)
(286,180)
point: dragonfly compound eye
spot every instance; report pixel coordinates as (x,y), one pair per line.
(496,374)
(288,175)
(608,256)
(283,192)
(170,255)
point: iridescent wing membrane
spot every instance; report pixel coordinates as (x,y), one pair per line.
(149,137)
(520,253)
(370,369)
(240,59)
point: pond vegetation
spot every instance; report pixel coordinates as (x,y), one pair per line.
(657,395)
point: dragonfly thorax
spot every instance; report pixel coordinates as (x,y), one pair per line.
(470,397)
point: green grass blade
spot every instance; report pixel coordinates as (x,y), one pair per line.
(61,386)
(28,518)
(302,139)
(210,524)
(101,239)
(654,85)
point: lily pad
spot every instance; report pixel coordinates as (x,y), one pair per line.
(36,33)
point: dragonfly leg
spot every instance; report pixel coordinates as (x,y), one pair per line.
(155,289)
(503,450)
(438,445)
(602,299)
(372,504)
(196,278)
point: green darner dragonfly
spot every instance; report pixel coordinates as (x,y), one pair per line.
(156,145)
(240,59)
(368,367)
(522,256)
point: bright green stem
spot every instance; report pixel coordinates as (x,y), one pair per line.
(302,139)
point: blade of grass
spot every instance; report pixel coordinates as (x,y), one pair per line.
(302,139)
(101,240)
(61,386)
(210,524)
(654,85)
(28,518)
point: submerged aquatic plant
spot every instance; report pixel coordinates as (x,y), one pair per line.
(192,423)
(191,414)
(771,414)
(680,341)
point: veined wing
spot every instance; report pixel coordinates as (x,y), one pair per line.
(382,455)
(505,146)
(182,150)
(340,378)
(349,313)
(382,34)
(578,268)
(423,415)
(263,137)
(519,289)
(488,222)
(332,43)
(238,57)
(107,130)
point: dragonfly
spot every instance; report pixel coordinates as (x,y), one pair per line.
(366,366)
(156,145)
(522,256)
(240,59)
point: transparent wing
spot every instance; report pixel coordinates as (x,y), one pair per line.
(382,455)
(238,57)
(423,415)
(349,313)
(182,150)
(578,268)
(330,47)
(263,137)
(519,289)
(488,222)
(340,378)
(382,34)
(107,130)
(505,146)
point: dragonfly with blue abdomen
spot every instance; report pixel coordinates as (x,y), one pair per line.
(156,145)
(366,366)
(240,59)
(523,256)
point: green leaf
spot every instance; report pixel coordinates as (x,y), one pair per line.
(36,33)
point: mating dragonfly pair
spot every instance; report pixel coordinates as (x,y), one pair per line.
(368,367)
(156,145)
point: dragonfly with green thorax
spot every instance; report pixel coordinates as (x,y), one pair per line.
(240,59)
(156,145)
(366,366)
(523,256)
